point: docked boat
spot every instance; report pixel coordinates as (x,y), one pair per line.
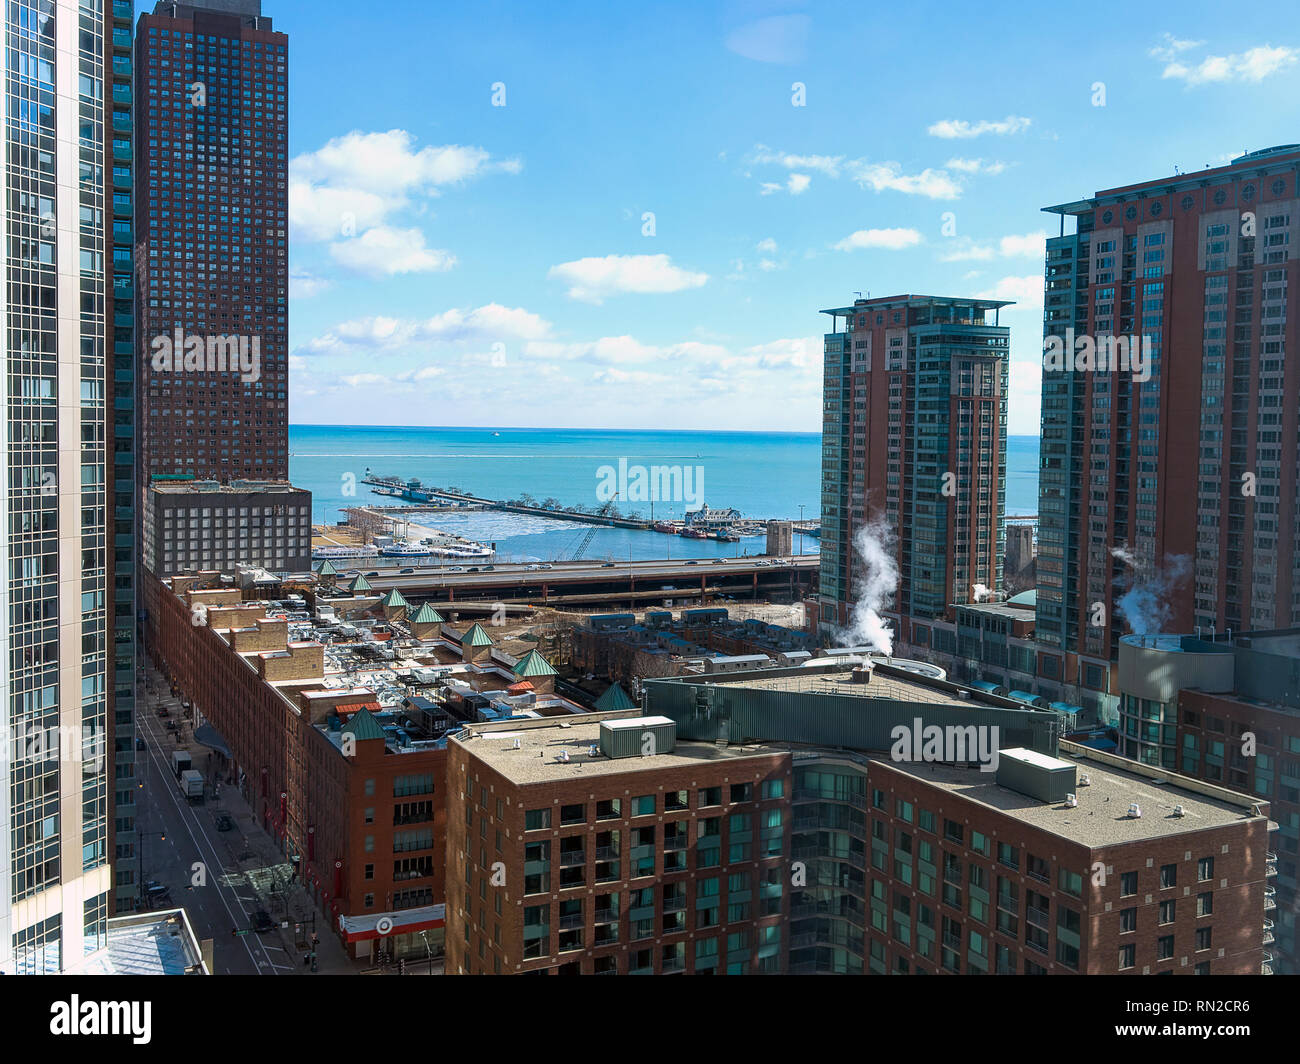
(332,552)
(406,550)
(694,533)
(663,526)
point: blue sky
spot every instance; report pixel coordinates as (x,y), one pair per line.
(460,263)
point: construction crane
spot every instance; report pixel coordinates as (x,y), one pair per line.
(591,532)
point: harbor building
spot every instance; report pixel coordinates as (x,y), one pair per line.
(767,822)
(780,539)
(914,441)
(1178,473)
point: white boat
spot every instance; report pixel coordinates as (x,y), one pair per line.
(329,553)
(406,550)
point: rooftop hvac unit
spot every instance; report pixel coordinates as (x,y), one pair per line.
(1085,780)
(1179,811)
(1135,811)
(1071,801)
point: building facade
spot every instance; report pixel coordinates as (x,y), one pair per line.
(121,335)
(914,448)
(1227,710)
(201,524)
(1179,474)
(56,775)
(212,262)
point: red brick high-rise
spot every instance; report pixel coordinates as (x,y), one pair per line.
(211,211)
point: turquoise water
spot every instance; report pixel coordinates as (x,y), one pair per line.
(761,474)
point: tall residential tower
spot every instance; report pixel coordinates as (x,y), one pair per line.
(1178,476)
(914,438)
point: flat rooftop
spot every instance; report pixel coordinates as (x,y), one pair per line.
(540,743)
(161,943)
(1101,818)
(811,681)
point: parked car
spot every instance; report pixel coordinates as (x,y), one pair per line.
(140,745)
(163,711)
(262,921)
(224,822)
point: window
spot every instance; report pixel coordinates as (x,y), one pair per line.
(1128,920)
(1204,904)
(573,814)
(1070,882)
(1128,884)
(1203,938)
(953,831)
(536,819)
(1127,956)
(710,796)
(1168,876)
(644,805)
(1204,869)
(742,792)
(1008,855)
(1164,947)
(1166,912)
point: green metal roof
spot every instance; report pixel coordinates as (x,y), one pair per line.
(1025,598)
(476,637)
(614,698)
(359,584)
(426,614)
(363,726)
(326,569)
(393,599)
(533,664)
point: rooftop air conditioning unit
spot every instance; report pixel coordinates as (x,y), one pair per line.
(1071,801)
(1085,780)
(1179,811)
(1135,810)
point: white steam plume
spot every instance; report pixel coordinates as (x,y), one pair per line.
(981,593)
(876,586)
(1145,605)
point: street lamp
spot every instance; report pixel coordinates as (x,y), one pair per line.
(801,506)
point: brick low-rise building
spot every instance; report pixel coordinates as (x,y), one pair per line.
(335,715)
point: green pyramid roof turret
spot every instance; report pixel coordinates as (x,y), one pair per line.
(326,569)
(476,637)
(533,664)
(614,698)
(363,726)
(426,614)
(393,599)
(359,584)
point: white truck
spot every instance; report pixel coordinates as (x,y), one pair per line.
(191,784)
(180,762)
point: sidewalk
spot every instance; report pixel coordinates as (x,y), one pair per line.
(253,855)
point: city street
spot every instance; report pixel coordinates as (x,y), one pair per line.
(221,878)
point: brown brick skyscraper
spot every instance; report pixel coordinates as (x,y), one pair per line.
(212,240)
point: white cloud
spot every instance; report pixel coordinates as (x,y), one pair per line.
(776,39)
(880,177)
(960,129)
(1026,245)
(304,285)
(889,239)
(933,184)
(1171,46)
(591,280)
(486,324)
(1252,65)
(767,245)
(1023,291)
(384,251)
(829,165)
(974,166)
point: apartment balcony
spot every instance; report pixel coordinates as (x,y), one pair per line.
(567,923)
(1266,963)
(1270,898)
(1270,864)
(573,858)
(678,842)
(123,9)
(606,853)
(605,916)
(1268,933)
